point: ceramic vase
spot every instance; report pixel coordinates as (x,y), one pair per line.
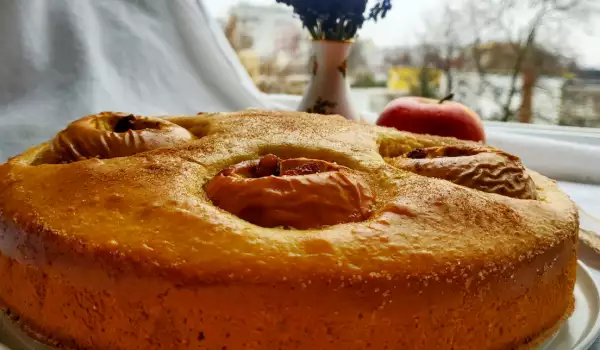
(328,91)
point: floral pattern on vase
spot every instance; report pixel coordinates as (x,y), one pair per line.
(321,106)
(343,67)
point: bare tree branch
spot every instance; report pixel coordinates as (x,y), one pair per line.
(512,37)
(524,50)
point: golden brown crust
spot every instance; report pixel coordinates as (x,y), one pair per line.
(530,344)
(501,311)
(99,225)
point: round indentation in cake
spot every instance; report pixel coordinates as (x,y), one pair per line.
(298,193)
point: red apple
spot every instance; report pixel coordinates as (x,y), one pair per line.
(428,116)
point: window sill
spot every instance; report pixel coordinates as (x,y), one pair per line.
(578,135)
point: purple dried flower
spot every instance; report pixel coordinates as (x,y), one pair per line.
(336,19)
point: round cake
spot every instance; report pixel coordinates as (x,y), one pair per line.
(280,230)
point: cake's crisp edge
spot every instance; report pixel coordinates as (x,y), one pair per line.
(47,340)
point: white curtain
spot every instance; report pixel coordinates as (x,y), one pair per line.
(63,59)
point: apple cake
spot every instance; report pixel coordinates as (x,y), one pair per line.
(280,230)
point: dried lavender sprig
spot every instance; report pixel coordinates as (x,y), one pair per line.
(337,20)
(380,10)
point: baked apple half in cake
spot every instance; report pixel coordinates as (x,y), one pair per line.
(109,135)
(480,168)
(296,193)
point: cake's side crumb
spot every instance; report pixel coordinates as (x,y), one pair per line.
(31,330)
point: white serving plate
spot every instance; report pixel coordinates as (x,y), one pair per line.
(582,328)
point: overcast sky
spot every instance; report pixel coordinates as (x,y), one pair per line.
(402,25)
